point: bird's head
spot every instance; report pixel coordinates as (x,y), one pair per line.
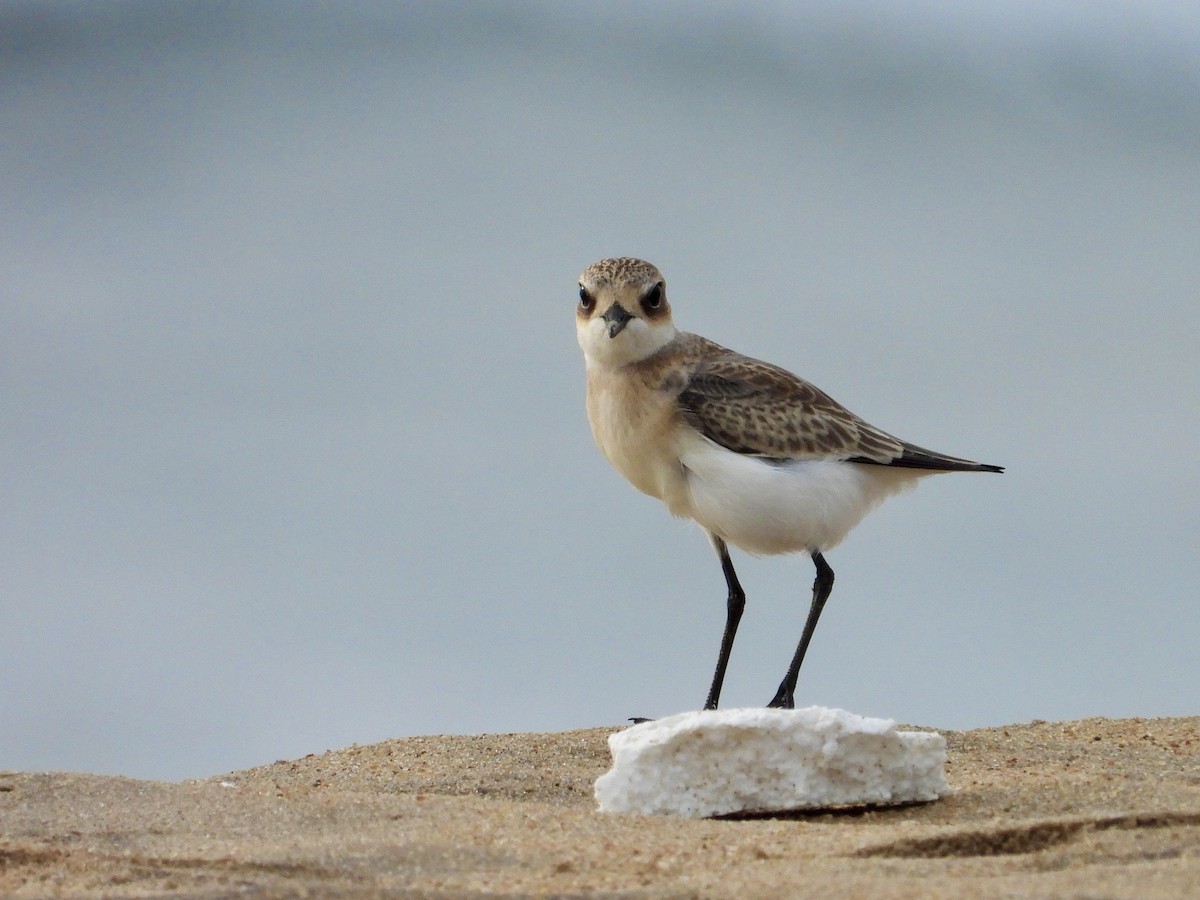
(622,316)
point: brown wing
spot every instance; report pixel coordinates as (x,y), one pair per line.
(753,407)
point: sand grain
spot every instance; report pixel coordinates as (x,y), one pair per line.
(1094,807)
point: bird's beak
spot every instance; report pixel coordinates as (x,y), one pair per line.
(617,318)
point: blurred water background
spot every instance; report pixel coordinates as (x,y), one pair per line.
(294,450)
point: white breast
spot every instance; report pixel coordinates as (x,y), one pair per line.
(765,507)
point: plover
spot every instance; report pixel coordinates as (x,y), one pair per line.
(758,457)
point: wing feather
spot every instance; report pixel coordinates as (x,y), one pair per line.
(752,407)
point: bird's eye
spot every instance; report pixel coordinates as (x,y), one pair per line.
(654,298)
(586,301)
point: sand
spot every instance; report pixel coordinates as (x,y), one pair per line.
(1093,808)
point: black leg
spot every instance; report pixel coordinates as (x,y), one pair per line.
(785,696)
(733,614)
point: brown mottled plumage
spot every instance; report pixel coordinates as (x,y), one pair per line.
(749,406)
(760,458)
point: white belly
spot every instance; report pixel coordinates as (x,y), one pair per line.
(763,507)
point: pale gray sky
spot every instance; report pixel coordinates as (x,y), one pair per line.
(294,452)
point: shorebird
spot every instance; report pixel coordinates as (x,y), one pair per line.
(755,455)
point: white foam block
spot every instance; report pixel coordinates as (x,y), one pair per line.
(768,760)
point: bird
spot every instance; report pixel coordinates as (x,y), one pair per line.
(759,458)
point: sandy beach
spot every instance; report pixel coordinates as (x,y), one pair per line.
(1095,808)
